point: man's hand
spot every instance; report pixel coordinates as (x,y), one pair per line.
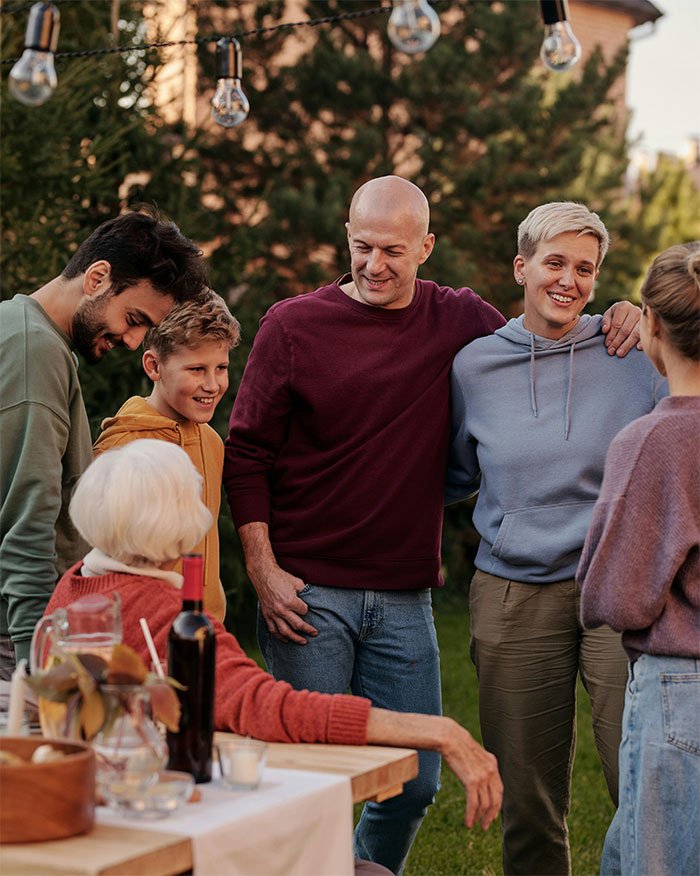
(621,326)
(277,590)
(477,770)
(282,609)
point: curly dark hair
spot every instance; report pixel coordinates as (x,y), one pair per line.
(144,246)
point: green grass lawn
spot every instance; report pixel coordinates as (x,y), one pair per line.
(444,846)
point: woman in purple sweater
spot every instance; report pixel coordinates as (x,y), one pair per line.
(640,574)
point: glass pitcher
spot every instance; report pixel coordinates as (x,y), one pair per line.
(91,624)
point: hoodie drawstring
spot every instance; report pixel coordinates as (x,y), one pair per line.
(533,400)
(568,395)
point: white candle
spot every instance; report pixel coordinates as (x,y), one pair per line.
(243,767)
(16,709)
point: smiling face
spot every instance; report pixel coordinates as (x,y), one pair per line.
(189,383)
(388,239)
(104,320)
(558,281)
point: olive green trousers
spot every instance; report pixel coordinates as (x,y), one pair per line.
(528,647)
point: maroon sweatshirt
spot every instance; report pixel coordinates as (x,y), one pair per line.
(339,433)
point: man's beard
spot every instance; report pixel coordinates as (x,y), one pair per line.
(86,328)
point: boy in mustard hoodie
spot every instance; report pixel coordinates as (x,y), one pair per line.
(186,356)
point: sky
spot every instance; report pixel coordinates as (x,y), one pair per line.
(663,78)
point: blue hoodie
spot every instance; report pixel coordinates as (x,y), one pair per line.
(535,418)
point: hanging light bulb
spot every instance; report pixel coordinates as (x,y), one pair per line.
(33,80)
(413,26)
(229,106)
(560,48)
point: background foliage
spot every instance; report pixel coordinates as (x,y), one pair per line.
(477,123)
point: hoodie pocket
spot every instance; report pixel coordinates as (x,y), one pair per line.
(547,536)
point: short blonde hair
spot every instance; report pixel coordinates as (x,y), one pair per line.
(672,290)
(141,504)
(192,324)
(560,217)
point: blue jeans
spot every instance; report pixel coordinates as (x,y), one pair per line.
(381,644)
(656,830)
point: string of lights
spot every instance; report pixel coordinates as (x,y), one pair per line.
(413,27)
(257,31)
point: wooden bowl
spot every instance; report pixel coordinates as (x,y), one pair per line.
(46,801)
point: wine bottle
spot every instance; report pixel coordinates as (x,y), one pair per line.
(191,661)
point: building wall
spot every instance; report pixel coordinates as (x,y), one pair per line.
(608,28)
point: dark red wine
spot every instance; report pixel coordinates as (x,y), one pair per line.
(191,661)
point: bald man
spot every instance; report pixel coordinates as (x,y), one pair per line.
(335,468)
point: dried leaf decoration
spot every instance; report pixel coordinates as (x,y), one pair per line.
(126,667)
(59,681)
(92,714)
(165,705)
(95,665)
(74,683)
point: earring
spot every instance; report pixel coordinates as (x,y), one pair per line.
(521,280)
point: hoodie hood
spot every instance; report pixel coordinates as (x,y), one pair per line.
(586,328)
(136,415)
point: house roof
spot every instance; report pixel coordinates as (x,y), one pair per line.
(641,11)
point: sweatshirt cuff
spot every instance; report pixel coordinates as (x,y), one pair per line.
(22,648)
(347,722)
(250,509)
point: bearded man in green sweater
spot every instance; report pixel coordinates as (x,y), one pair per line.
(123,279)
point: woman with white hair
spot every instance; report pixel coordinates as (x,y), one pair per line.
(139,506)
(534,407)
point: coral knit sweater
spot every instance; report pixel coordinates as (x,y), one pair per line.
(248,700)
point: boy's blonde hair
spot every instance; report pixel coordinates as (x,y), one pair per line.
(560,217)
(194,323)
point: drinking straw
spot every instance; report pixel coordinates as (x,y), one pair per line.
(151,647)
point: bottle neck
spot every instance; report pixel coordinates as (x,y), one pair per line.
(192,605)
(192,581)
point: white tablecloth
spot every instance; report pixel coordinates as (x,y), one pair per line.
(296,823)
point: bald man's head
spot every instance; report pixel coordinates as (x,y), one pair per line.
(394,194)
(388,239)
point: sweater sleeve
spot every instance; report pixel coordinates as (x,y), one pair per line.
(630,558)
(34,440)
(258,424)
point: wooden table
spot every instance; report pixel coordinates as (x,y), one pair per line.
(375,773)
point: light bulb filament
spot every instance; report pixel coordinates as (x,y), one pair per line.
(413,26)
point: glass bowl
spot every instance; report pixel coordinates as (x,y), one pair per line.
(161,798)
